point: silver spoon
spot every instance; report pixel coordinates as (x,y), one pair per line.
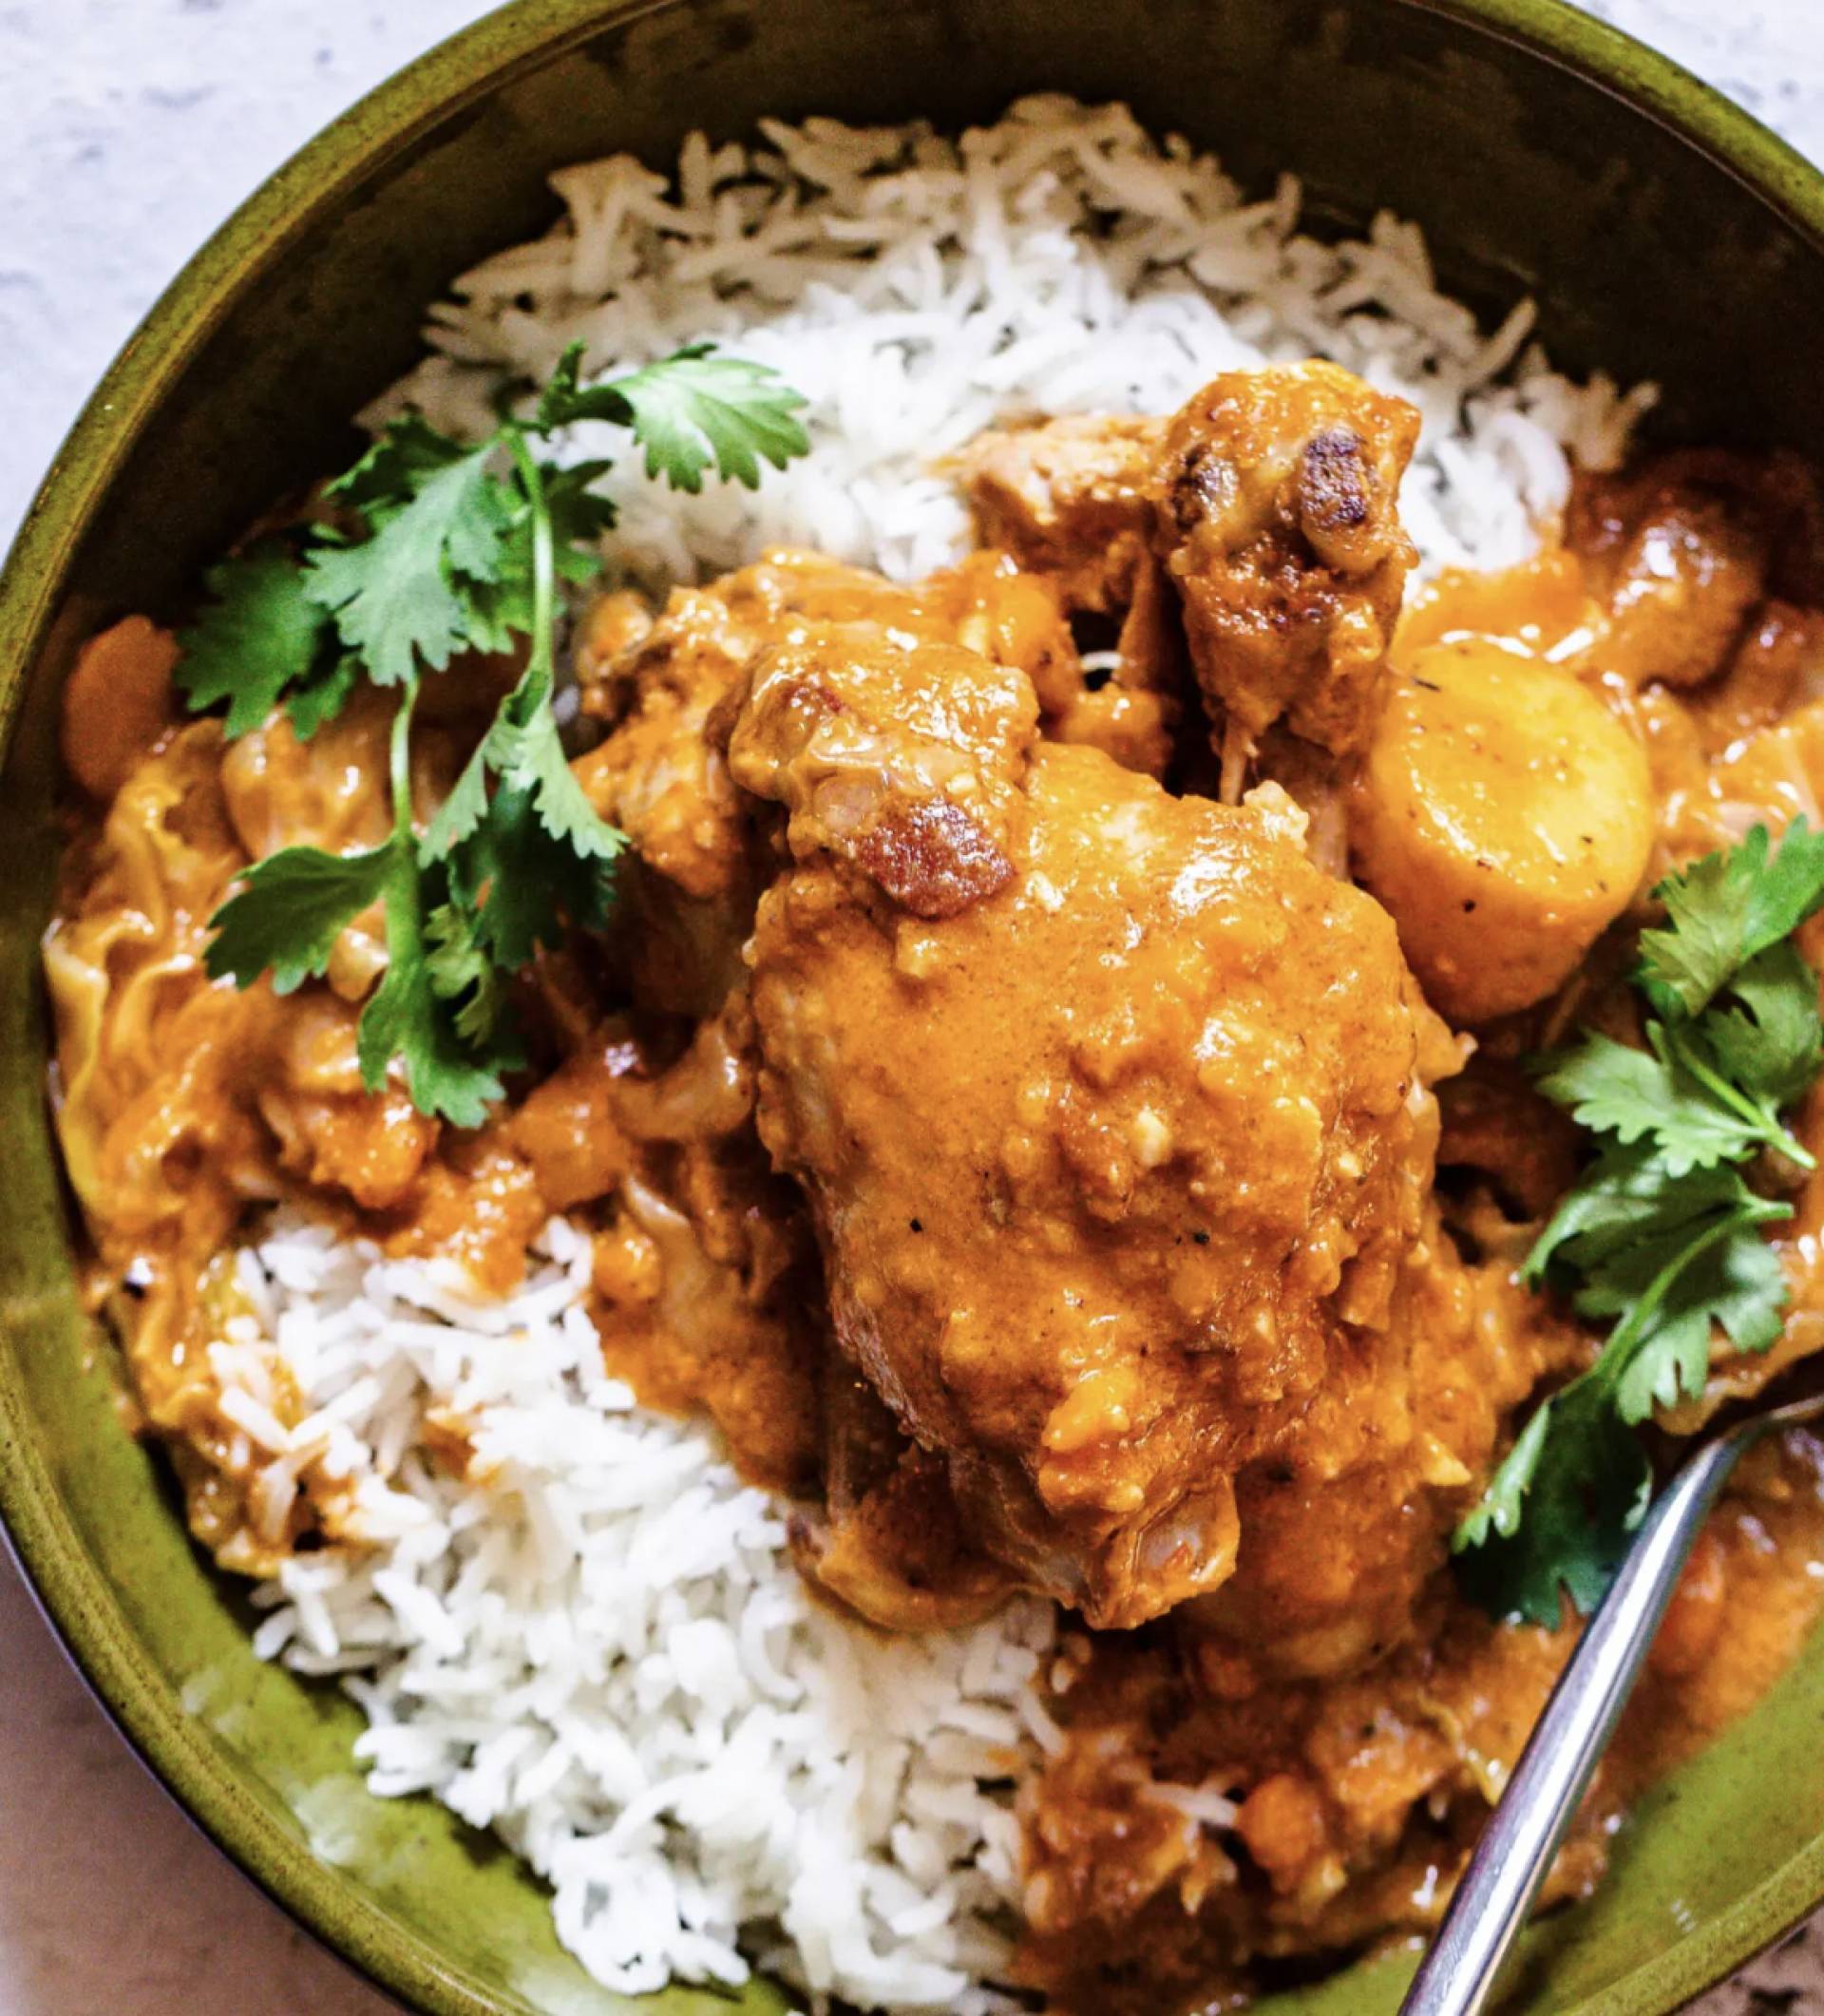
(1524,1831)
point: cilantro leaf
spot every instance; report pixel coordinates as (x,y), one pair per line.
(1503,1503)
(292,908)
(1559,1512)
(398,598)
(259,633)
(463,972)
(461,812)
(407,1018)
(580,516)
(1725,909)
(1626,1198)
(1612,1087)
(286,919)
(322,696)
(1662,1237)
(1773,1049)
(566,400)
(1736,1282)
(531,756)
(525,750)
(431,548)
(405,452)
(504,610)
(1627,1224)
(1671,1258)
(688,410)
(521,882)
(1670,1266)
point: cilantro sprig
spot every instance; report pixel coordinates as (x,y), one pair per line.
(431,548)
(1664,1235)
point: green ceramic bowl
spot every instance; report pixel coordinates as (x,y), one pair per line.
(1664,235)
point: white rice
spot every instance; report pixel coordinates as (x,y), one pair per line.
(594,1641)
(918,289)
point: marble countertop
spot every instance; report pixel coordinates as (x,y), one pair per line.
(128,128)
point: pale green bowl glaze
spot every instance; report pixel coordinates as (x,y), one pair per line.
(1664,235)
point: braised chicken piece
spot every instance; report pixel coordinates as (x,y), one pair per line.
(900,758)
(1682,552)
(886,1540)
(690,884)
(1276,513)
(660,773)
(1029,1029)
(1068,499)
(1269,504)
(889,1538)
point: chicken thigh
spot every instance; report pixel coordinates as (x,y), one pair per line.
(1110,1107)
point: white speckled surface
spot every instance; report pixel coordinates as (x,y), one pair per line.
(128,128)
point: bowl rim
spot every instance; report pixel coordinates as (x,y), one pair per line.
(68,1588)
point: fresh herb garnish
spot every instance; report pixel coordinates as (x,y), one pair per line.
(436,549)
(1662,1236)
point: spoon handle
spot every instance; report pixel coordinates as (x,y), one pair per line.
(1516,1849)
